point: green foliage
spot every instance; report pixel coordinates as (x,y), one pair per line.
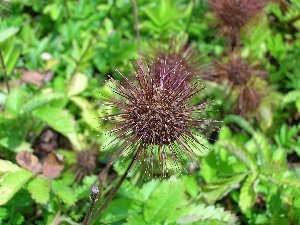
(68,49)
(165,202)
(11,182)
(39,188)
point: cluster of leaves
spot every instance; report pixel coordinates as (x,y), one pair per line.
(57,54)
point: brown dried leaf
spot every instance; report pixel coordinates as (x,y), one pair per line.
(33,77)
(53,165)
(29,161)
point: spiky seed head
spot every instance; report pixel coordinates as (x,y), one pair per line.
(156,117)
(248,101)
(178,51)
(235,14)
(86,163)
(237,72)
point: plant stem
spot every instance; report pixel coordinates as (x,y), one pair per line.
(5,72)
(93,197)
(136,24)
(114,190)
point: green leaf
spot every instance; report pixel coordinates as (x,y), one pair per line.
(136,219)
(298,105)
(210,222)
(248,195)
(15,101)
(264,147)
(148,188)
(39,188)
(240,152)
(225,132)
(11,55)
(57,118)
(54,10)
(7,166)
(287,178)
(88,113)
(40,100)
(4,214)
(77,84)
(210,169)
(239,121)
(220,188)
(291,96)
(64,193)
(17,219)
(191,186)
(128,190)
(76,53)
(274,203)
(120,209)
(10,183)
(201,214)
(7,33)
(266,117)
(163,201)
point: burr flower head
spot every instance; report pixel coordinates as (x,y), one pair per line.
(177,51)
(235,14)
(156,117)
(248,101)
(86,163)
(235,71)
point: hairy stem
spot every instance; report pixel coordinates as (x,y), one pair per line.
(113,191)
(93,198)
(5,72)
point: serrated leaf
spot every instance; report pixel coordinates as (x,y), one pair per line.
(7,166)
(287,178)
(7,33)
(39,188)
(64,193)
(169,195)
(10,183)
(130,191)
(57,118)
(77,84)
(136,219)
(210,222)
(120,209)
(217,190)
(240,152)
(40,100)
(201,213)
(148,188)
(248,195)
(239,121)
(264,147)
